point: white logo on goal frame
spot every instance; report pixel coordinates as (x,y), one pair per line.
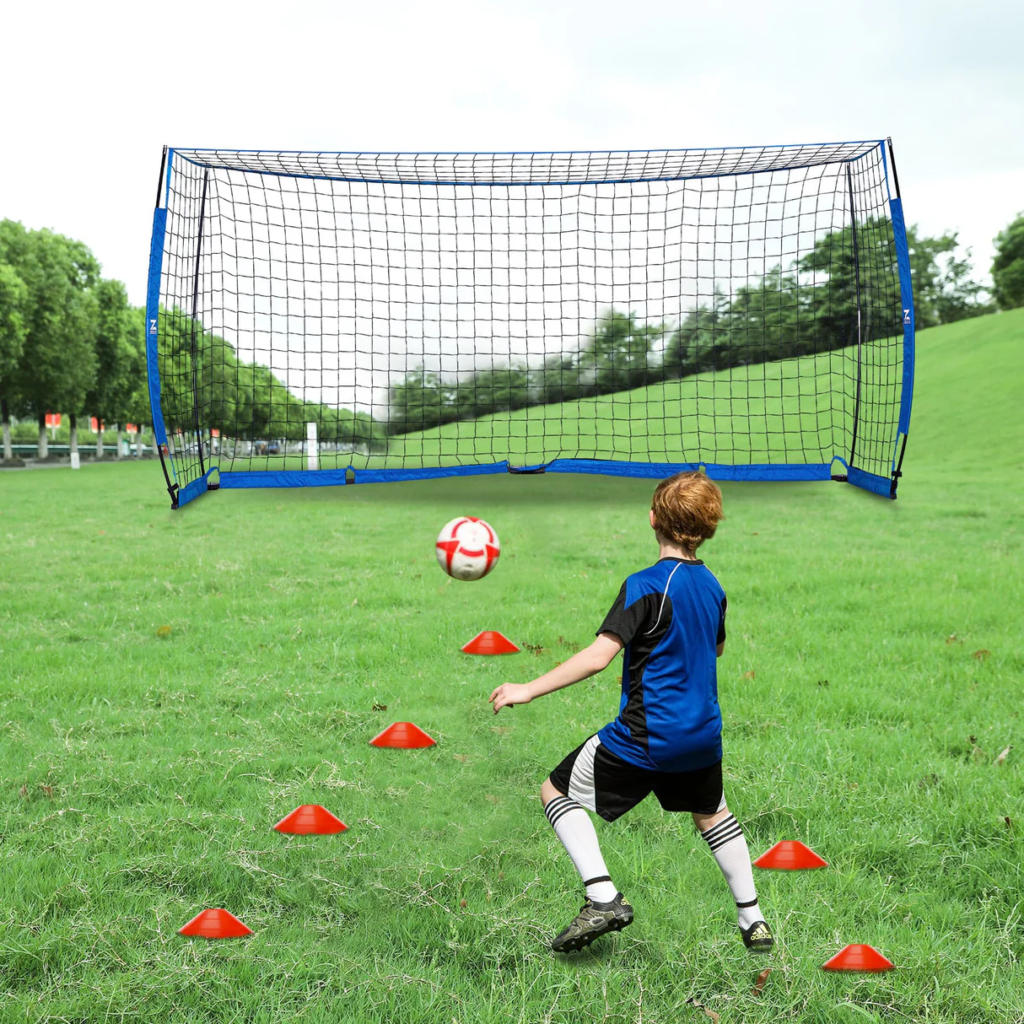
(906,316)
(152,327)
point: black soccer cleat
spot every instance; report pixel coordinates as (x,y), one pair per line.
(593,921)
(758,937)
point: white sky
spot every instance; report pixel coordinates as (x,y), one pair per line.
(93,91)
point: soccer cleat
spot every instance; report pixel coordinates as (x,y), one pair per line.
(593,921)
(758,937)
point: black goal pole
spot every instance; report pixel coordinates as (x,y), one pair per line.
(195,311)
(856,278)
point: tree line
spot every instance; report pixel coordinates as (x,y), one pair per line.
(243,400)
(71,342)
(809,307)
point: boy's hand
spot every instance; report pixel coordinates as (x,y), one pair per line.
(509,694)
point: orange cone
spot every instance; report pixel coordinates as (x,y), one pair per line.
(858,958)
(490,641)
(311,820)
(790,855)
(215,924)
(404,736)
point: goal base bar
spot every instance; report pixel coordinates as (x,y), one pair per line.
(242,479)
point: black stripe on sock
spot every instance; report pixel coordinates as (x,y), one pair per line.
(602,878)
(718,843)
(562,812)
(719,827)
(554,805)
(559,807)
(749,903)
(724,832)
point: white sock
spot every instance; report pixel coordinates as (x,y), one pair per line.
(732,856)
(574,828)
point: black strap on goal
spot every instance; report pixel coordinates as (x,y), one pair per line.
(195,323)
(856,278)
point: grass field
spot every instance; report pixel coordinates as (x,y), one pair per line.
(871,682)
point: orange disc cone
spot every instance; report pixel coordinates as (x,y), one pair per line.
(215,924)
(311,820)
(490,641)
(858,958)
(790,855)
(404,736)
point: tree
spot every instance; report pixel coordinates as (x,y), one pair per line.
(617,356)
(58,362)
(421,401)
(1008,266)
(136,409)
(699,342)
(944,290)
(836,275)
(13,328)
(118,351)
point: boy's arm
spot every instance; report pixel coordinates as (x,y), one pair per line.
(586,663)
(719,649)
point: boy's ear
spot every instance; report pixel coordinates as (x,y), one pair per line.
(652,519)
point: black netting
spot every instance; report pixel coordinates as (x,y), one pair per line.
(731,307)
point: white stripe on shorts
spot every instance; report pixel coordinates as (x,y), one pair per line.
(581,780)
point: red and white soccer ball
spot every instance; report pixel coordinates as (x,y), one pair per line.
(467,548)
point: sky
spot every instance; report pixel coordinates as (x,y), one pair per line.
(93,92)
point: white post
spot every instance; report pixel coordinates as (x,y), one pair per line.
(75,462)
(312,448)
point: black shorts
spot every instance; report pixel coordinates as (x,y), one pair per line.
(602,782)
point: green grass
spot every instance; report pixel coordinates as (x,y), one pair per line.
(764,412)
(140,774)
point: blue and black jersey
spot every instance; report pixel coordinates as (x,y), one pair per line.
(671,617)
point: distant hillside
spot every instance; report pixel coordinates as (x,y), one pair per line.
(969,393)
(965,409)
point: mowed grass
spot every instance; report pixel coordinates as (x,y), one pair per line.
(870,686)
(794,410)
(783,411)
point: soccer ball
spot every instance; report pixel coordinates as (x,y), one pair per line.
(467,548)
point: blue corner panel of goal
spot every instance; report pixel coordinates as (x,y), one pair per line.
(192,490)
(152,319)
(870,482)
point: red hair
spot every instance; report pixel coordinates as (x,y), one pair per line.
(687,509)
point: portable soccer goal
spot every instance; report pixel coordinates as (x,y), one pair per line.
(338,318)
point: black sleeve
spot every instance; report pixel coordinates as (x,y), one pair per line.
(624,622)
(721,624)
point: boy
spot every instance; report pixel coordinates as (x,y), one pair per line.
(670,619)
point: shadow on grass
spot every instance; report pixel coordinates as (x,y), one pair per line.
(535,490)
(501,489)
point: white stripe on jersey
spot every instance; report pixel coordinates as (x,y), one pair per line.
(664,595)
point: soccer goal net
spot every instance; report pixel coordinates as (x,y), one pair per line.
(325,318)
